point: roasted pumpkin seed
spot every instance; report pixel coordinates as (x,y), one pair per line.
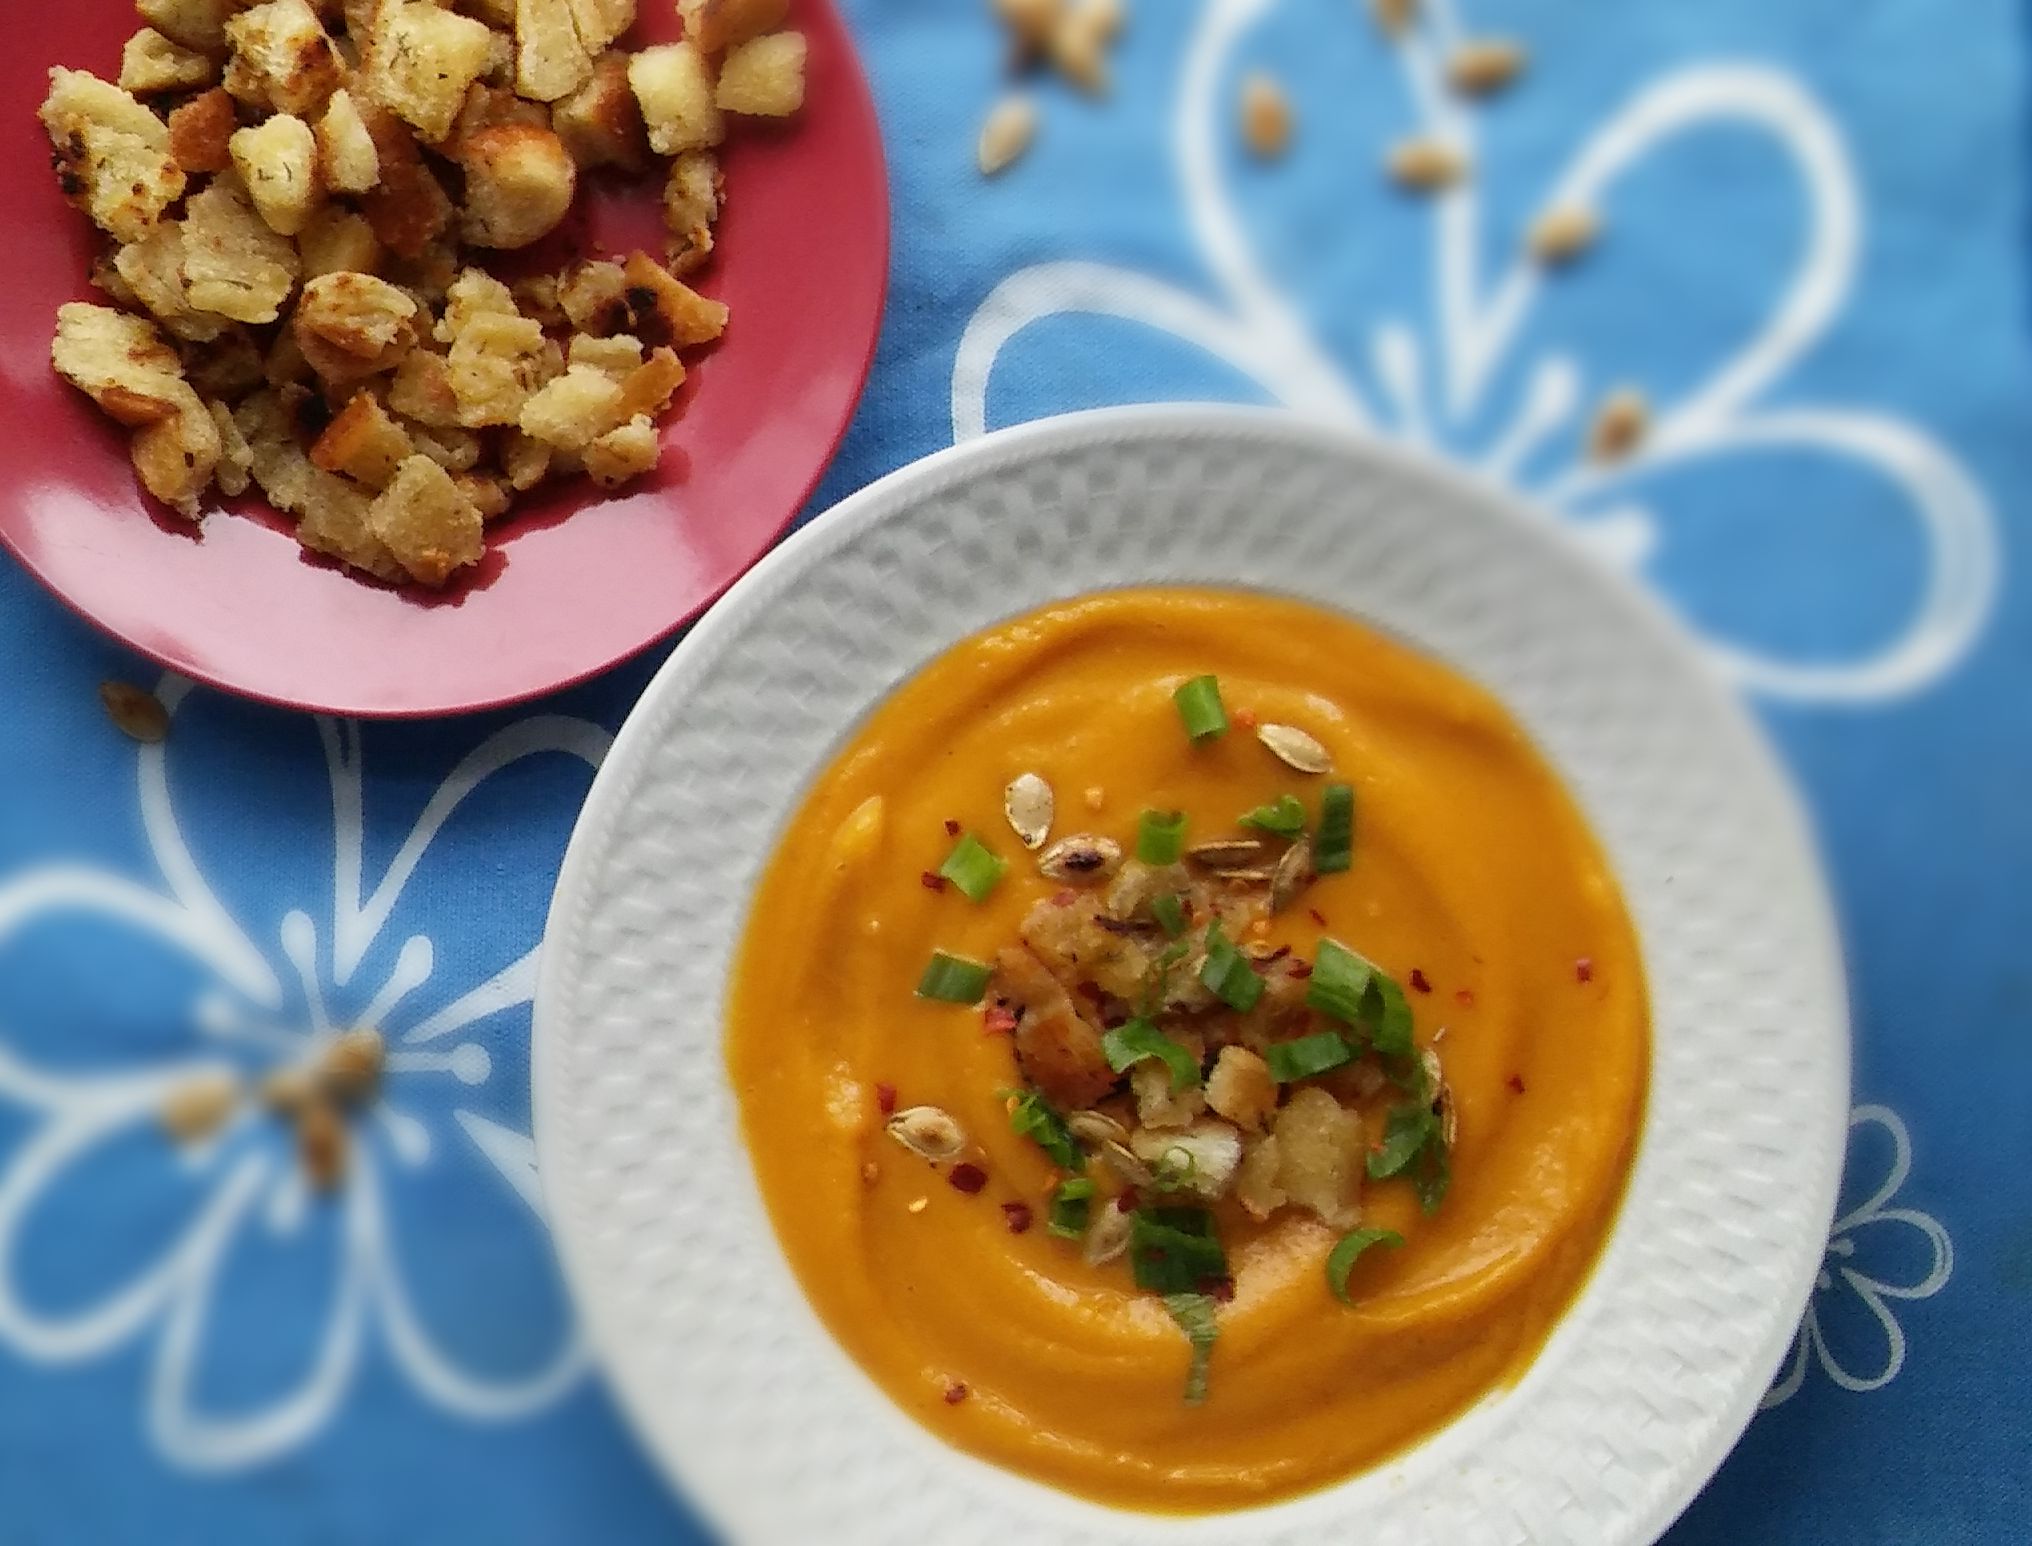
(1081,859)
(1295,749)
(1029,805)
(929,1133)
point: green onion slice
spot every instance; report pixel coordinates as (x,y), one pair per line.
(1284,816)
(1127,1045)
(1308,1055)
(1356,993)
(1333,845)
(1173,1250)
(973,868)
(1034,1117)
(1227,974)
(1169,912)
(1072,1205)
(954,979)
(1160,837)
(1199,705)
(1195,1316)
(1415,1143)
(1341,1260)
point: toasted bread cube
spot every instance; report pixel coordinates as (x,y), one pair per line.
(525,461)
(419,60)
(599,22)
(1320,1149)
(497,362)
(122,363)
(455,450)
(601,122)
(650,387)
(720,24)
(429,275)
(106,278)
(176,458)
(338,241)
(284,365)
(151,62)
(763,78)
(691,203)
(229,366)
(619,356)
(153,271)
(490,493)
(364,442)
(282,58)
(674,88)
(422,390)
(495,13)
(485,107)
(346,154)
(408,207)
(623,453)
(1158,1106)
(550,61)
(594,296)
(197,24)
(277,160)
(234,264)
(427,523)
(1256,1187)
(236,457)
(201,132)
(331,512)
(1240,1088)
(573,411)
(520,181)
(474,294)
(665,310)
(354,325)
(112,154)
(536,296)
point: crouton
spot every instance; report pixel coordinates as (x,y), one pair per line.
(691,203)
(282,58)
(428,275)
(106,278)
(594,296)
(536,296)
(1201,1159)
(764,77)
(1319,1165)
(719,24)
(422,390)
(574,410)
(486,106)
(277,161)
(601,122)
(475,293)
(176,457)
(664,310)
(112,154)
(152,63)
(1240,1088)
(152,269)
(651,385)
(236,457)
(496,363)
(353,325)
(347,158)
(495,13)
(338,241)
(408,207)
(426,522)
(520,181)
(525,460)
(233,263)
(419,60)
(364,442)
(193,23)
(619,356)
(550,61)
(1058,1048)
(455,450)
(674,89)
(285,365)
(489,493)
(1256,1187)
(201,132)
(625,452)
(122,363)
(599,22)
(228,367)
(1158,1106)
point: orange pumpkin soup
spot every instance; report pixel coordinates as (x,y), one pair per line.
(1230,1151)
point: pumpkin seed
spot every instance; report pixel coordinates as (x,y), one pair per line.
(1484,65)
(1266,117)
(1394,16)
(138,714)
(1081,859)
(1295,749)
(1293,874)
(1619,425)
(1108,1235)
(1563,234)
(1224,855)
(352,1065)
(1425,165)
(321,1144)
(1096,1127)
(1028,804)
(198,1107)
(1005,134)
(1123,1161)
(928,1132)
(1442,1097)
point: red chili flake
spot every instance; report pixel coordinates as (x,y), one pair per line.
(1018,1215)
(1465,997)
(1220,1290)
(1125,1200)
(885,1099)
(967,1178)
(1584,969)
(1420,981)
(1064,898)
(1517,1084)
(931,882)
(1277,955)
(1301,969)
(1316,916)
(998,1020)
(952,829)
(1246,718)
(955,1392)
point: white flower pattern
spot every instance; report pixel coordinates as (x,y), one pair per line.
(242,1184)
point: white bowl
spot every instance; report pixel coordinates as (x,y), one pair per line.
(733,1382)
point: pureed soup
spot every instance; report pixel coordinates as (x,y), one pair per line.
(1254,1122)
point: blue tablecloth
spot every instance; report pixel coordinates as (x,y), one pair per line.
(1811,265)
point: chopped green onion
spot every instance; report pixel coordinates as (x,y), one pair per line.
(1333,845)
(1199,705)
(1195,1316)
(1174,1170)
(1160,837)
(1033,1117)
(1169,912)
(1173,1250)
(1130,1044)
(1341,1260)
(1391,1033)
(954,979)
(1227,974)
(1356,993)
(972,868)
(1414,1140)
(1284,816)
(1308,1055)
(1072,1205)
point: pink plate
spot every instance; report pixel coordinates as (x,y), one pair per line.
(802,260)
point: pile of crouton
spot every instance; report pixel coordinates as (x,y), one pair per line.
(295,194)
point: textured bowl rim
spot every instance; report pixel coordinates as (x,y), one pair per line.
(896,493)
